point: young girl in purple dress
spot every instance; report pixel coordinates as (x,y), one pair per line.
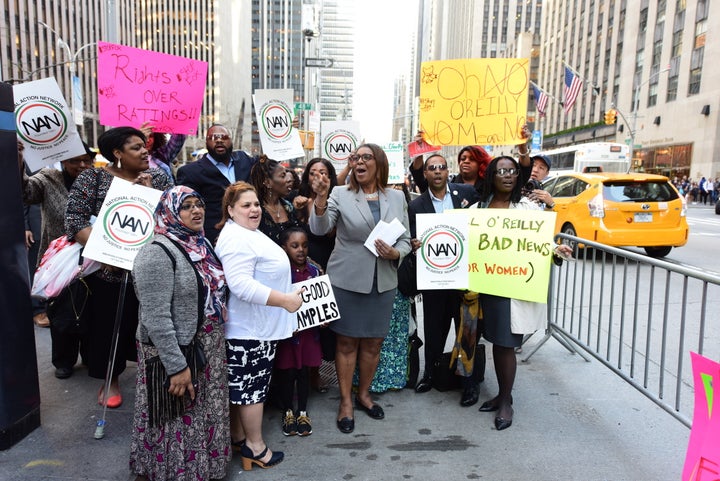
(297,354)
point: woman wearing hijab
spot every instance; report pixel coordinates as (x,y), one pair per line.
(181,427)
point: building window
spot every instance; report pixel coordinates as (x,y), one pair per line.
(696,62)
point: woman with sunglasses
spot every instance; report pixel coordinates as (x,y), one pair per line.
(502,190)
(364,283)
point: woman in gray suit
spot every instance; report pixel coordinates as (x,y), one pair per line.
(364,284)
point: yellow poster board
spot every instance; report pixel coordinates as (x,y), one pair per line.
(474,101)
(510,252)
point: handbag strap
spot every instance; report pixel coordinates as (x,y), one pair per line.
(200,286)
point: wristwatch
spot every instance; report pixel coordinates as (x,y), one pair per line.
(550,206)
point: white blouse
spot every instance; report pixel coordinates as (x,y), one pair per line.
(254,265)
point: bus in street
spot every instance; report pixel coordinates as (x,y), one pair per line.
(588,158)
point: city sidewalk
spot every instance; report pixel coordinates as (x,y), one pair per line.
(573,421)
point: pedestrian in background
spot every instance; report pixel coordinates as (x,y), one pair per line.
(50,188)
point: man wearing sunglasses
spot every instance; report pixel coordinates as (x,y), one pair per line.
(439,306)
(212,173)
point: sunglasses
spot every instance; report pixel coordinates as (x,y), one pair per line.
(217,137)
(511,172)
(365,157)
(192,205)
(434,167)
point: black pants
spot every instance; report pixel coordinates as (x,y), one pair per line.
(97,341)
(439,307)
(65,348)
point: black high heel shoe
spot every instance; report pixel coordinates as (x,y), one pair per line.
(504,423)
(248,458)
(237,445)
(491,405)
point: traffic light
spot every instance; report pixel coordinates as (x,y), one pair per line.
(610,117)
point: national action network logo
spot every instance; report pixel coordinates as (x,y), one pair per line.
(41,122)
(129,224)
(443,249)
(339,145)
(276,120)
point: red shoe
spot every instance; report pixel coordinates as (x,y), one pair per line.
(113,401)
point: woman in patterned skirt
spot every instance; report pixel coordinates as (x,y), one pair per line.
(181,425)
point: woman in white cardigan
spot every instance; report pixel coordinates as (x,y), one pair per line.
(260,311)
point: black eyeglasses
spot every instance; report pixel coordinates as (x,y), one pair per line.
(434,167)
(365,157)
(511,172)
(79,160)
(192,205)
(217,137)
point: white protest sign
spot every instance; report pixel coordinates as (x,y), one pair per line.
(339,139)
(442,261)
(274,114)
(395,152)
(318,305)
(44,124)
(125,223)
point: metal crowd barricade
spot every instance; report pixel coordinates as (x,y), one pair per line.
(640,317)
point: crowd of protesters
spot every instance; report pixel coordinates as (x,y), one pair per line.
(208,314)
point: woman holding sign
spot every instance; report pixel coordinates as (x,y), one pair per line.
(503,191)
(125,148)
(260,311)
(364,283)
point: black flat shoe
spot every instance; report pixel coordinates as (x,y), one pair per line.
(469,397)
(491,405)
(63,372)
(375,412)
(502,423)
(424,385)
(488,406)
(346,425)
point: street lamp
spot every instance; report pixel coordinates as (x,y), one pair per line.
(76,87)
(633,131)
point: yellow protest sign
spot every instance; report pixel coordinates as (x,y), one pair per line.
(474,101)
(510,251)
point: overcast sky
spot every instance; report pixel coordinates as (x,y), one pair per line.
(383,38)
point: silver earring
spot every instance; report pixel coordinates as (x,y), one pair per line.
(117,163)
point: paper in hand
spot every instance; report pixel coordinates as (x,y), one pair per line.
(387,232)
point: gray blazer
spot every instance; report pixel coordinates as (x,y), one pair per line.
(168,303)
(352,265)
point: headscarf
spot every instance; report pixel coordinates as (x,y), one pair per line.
(205,262)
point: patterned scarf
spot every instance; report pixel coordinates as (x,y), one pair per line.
(168,224)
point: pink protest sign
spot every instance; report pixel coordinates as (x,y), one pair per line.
(137,86)
(702,462)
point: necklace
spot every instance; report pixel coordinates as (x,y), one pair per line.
(371,196)
(276,210)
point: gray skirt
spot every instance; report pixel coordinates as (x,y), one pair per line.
(363,315)
(496,321)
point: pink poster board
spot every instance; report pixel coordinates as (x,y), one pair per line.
(137,86)
(702,462)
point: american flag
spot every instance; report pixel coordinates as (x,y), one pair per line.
(541,100)
(573,84)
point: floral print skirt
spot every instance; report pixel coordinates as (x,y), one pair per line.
(195,445)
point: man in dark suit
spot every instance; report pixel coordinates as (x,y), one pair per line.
(440,306)
(210,175)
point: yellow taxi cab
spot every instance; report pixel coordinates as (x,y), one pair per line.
(617,209)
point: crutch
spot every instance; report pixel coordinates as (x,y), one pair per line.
(100,427)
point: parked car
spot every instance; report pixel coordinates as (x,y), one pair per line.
(616,209)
